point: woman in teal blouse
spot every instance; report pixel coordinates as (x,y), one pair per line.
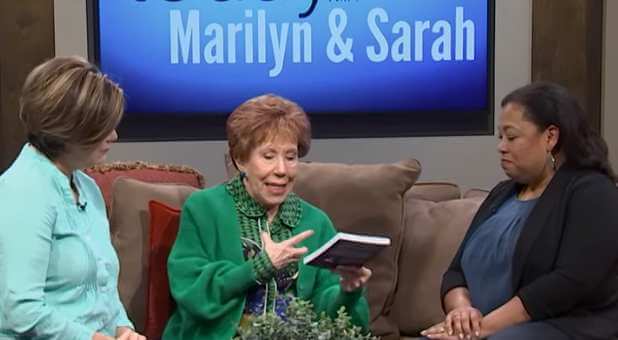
(238,248)
(58,270)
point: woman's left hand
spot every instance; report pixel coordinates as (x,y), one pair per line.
(353,278)
(438,331)
(126,333)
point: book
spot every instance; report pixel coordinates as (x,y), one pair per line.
(346,249)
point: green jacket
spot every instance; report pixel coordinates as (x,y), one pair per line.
(209,277)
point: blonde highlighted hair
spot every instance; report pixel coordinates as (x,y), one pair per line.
(67,100)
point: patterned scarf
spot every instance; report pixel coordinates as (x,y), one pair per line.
(271,295)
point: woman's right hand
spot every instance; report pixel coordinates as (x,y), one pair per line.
(124,336)
(464,322)
(285,252)
(101,336)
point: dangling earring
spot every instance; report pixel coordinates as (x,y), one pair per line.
(553,161)
(242,175)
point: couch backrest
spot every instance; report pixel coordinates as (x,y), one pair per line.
(434,191)
(433,232)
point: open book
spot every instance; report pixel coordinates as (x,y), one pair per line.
(347,250)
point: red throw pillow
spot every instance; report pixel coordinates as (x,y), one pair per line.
(164,222)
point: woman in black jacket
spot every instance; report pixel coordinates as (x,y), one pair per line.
(539,260)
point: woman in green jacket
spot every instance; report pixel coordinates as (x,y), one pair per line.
(238,248)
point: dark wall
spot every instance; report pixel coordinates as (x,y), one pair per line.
(26,40)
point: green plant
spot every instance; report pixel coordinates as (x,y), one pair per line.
(302,322)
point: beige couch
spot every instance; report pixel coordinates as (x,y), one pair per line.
(425,221)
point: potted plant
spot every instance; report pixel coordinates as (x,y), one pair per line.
(301,322)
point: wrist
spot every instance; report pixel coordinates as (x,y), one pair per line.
(456,298)
(487,327)
(262,267)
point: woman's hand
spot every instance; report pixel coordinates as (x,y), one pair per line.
(464,322)
(126,333)
(438,331)
(101,336)
(353,278)
(285,252)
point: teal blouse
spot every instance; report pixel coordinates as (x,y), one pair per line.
(58,269)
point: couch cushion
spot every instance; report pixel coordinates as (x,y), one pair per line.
(365,199)
(482,193)
(129,226)
(433,232)
(164,222)
(435,191)
(106,174)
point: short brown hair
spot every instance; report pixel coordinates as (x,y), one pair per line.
(68,100)
(265,117)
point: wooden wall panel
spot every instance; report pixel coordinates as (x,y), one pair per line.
(26,40)
(567,47)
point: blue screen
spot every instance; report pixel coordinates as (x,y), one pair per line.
(205,57)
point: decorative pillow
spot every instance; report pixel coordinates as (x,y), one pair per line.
(164,222)
(106,174)
(365,199)
(130,231)
(433,232)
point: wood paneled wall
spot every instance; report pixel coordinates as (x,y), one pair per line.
(567,48)
(26,40)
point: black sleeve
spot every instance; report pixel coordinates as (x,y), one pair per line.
(587,251)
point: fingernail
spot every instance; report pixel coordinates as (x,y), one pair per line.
(461,336)
(468,337)
(477,333)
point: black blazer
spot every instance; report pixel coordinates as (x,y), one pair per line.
(565,266)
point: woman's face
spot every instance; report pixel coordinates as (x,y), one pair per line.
(271,171)
(83,157)
(523,148)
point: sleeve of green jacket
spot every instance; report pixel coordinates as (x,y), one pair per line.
(205,287)
(329,297)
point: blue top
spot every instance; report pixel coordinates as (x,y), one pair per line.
(487,259)
(58,269)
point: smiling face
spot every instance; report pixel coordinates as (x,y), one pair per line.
(523,147)
(271,171)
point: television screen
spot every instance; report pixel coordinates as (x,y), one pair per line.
(360,68)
